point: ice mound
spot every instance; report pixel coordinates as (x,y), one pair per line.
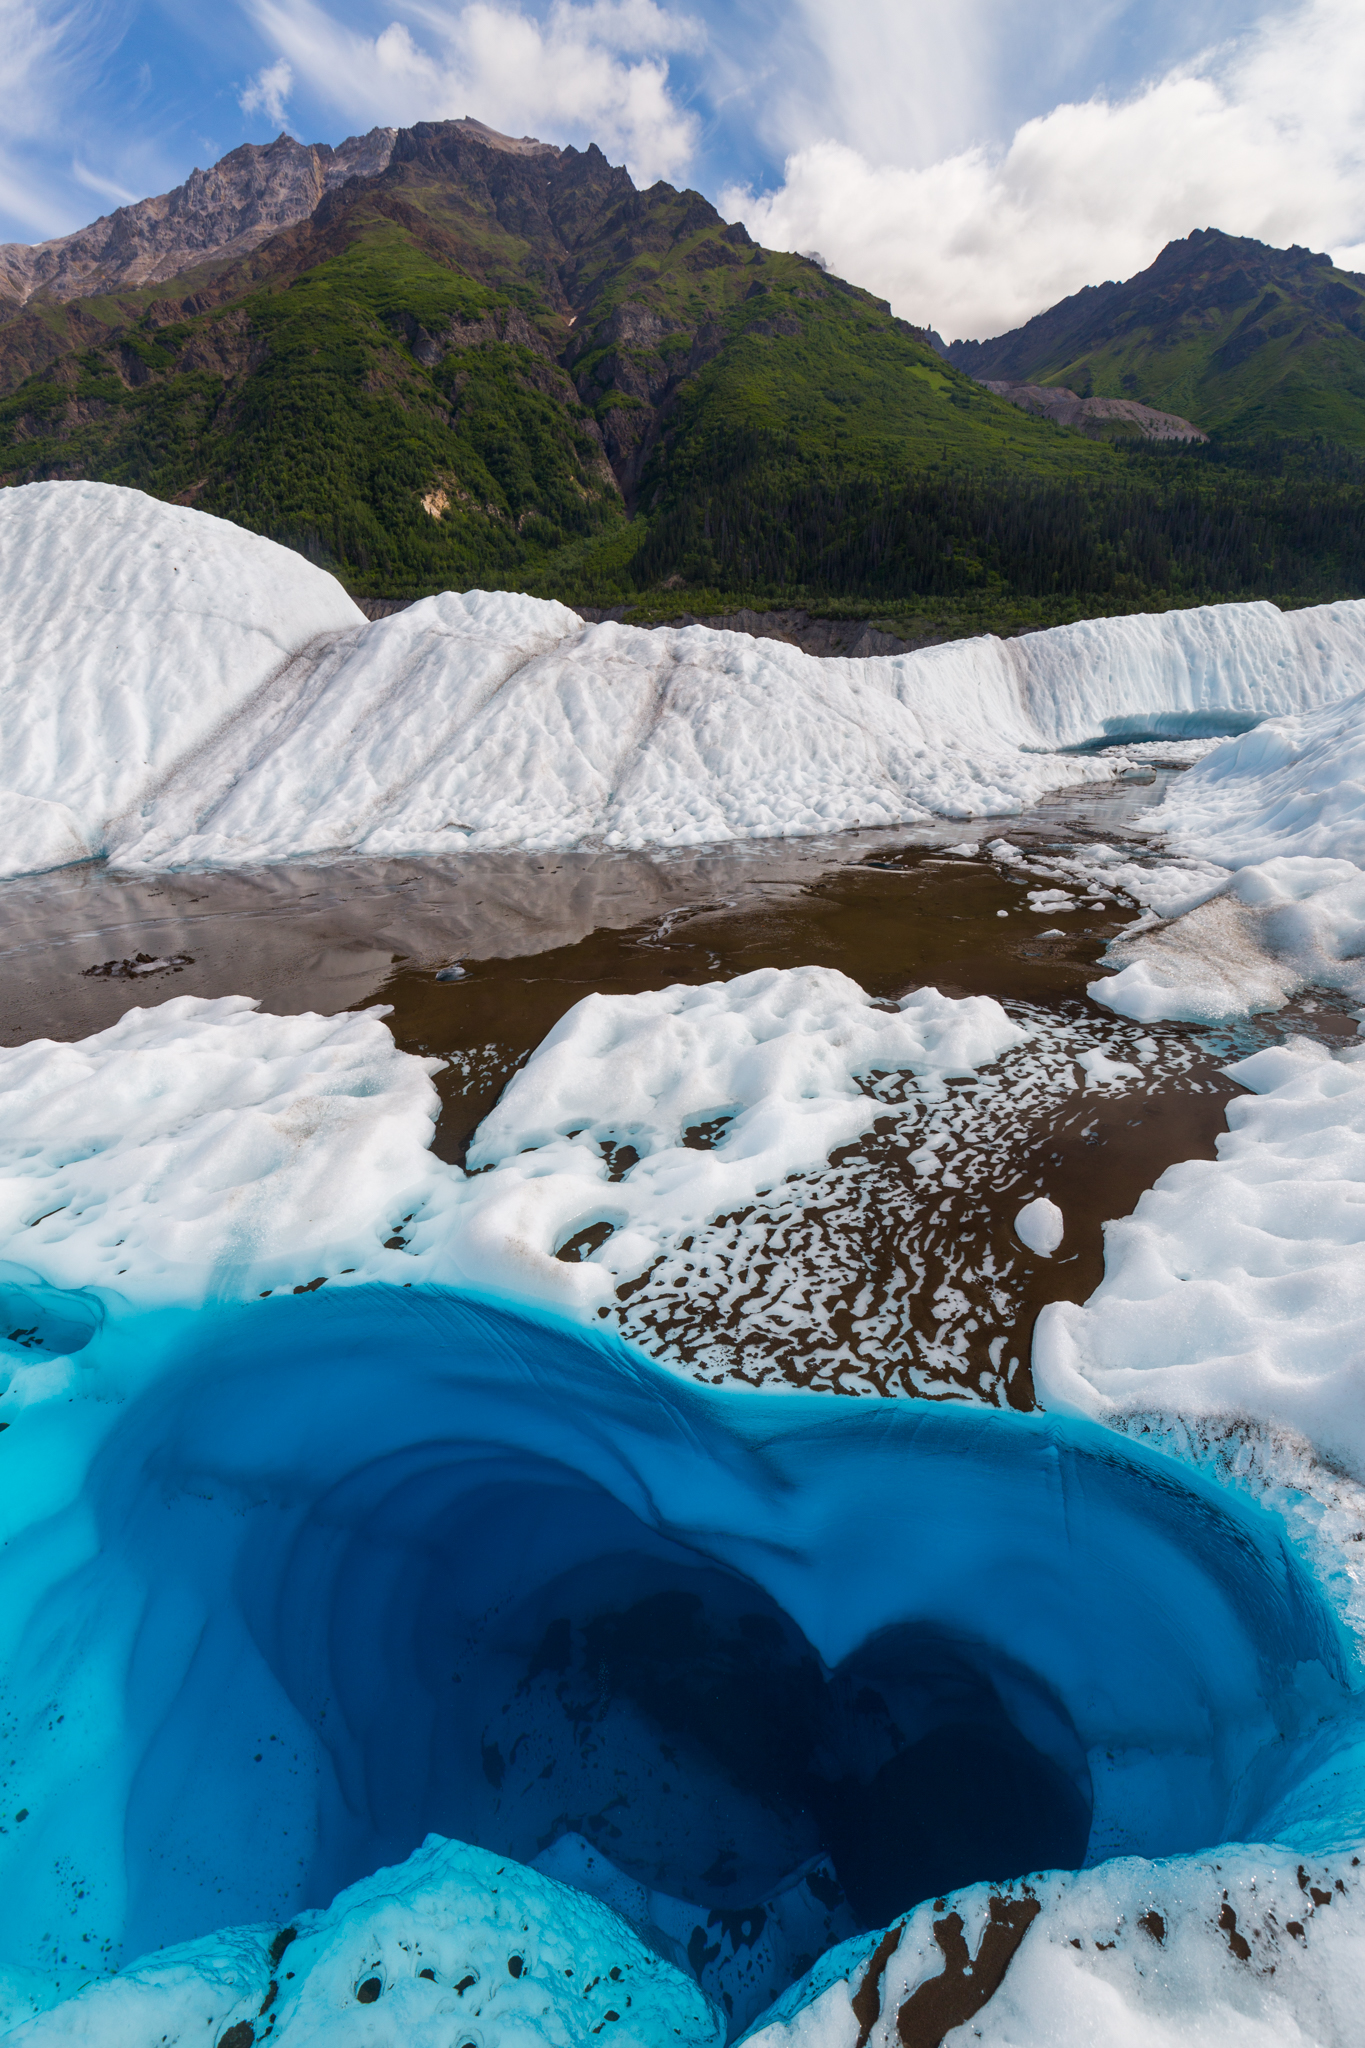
(223,1152)
(1283,807)
(641,1118)
(493,721)
(1254,1950)
(129,630)
(219,702)
(287,1587)
(1237,1286)
(456,1945)
(1294,786)
(201,1147)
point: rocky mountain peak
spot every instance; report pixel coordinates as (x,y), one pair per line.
(224,211)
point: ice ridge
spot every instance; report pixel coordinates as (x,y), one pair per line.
(175,692)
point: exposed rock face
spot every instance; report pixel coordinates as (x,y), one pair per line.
(1094,414)
(226,211)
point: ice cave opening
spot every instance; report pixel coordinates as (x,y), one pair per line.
(762,1669)
(1146,728)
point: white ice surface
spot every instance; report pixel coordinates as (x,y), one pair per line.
(208,698)
(496,721)
(437,1933)
(1269,931)
(1283,808)
(129,630)
(204,1150)
(1237,1286)
(1131,1955)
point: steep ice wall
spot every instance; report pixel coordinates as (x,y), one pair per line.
(129,630)
(1207,670)
(487,721)
(286,1586)
(176,692)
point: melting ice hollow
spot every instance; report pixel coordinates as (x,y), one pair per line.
(348,1571)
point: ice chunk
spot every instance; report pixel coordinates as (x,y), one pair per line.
(1040,1225)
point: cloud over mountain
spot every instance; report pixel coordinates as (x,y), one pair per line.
(1260,136)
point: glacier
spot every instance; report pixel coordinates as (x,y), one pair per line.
(1271,828)
(176,692)
(391,1654)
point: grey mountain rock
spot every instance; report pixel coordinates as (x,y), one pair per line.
(223,212)
(1095,415)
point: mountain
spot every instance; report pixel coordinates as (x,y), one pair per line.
(1245,340)
(482,359)
(477,359)
(247,197)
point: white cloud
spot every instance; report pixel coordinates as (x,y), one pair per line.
(42,49)
(581,73)
(268,91)
(106,187)
(1264,136)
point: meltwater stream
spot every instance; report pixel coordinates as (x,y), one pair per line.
(338,1572)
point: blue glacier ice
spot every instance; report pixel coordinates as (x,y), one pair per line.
(287,1588)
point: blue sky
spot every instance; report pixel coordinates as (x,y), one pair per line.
(972,160)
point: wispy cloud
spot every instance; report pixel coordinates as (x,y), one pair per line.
(43,50)
(1263,136)
(267,92)
(596,71)
(106,187)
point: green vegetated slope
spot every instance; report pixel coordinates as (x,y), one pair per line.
(511,368)
(1245,340)
(465,369)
